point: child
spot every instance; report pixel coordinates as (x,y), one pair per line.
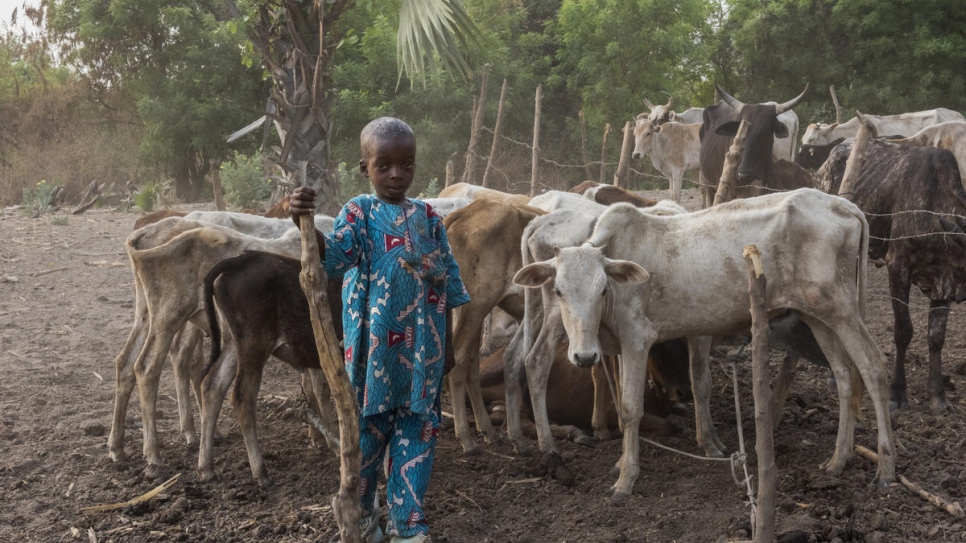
(400,280)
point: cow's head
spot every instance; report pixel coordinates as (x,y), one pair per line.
(763,127)
(818,134)
(644,131)
(660,114)
(581,278)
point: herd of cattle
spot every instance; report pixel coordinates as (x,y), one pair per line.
(591,274)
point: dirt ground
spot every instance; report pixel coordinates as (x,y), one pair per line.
(66,306)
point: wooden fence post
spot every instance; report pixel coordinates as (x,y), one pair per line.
(603,154)
(583,145)
(497,132)
(853,166)
(450,172)
(835,100)
(625,159)
(469,173)
(535,160)
(726,185)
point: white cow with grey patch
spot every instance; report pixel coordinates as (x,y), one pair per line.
(641,279)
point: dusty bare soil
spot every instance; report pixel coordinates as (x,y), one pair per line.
(66,306)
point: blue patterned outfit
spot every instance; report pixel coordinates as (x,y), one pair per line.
(400,277)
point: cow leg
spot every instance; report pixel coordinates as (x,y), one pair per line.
(124,379)
(251,362)
(513,361)
(147,370)
(215,387)
(184,357)
(633,381)
(838,362)
(538,363)
(780,386)
(480,414)
(866,357)
(938,316)
(320,399)
(899,290)
(468,334)
(699,350)
(598,420)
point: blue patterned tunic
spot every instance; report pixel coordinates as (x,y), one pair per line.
(400,276)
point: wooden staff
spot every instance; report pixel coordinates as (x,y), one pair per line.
(726,185)
(346,504)
(853,166)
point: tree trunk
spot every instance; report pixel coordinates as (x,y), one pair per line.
(603,154)
(497,132)
(216,189)
(535,161)
(625,159)
(472,152)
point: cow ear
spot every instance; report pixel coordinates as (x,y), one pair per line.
(535,275)
(781,131)
(625,272)
(728,129)
(671,116)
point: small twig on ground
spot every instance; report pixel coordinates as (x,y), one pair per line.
(45,272)
(142,498)
(953,508)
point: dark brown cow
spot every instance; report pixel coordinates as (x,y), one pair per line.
(279,210)
(584,186)
(609,194)
(262,304)
(720,125)
(811,157)
(915,204)
(786,175)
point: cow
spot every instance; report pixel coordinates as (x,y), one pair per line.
(720,125)
(915,202)
(476,192)
(261,303)
(787,175)
(485,239)
(903,125)
(950,135)
(155,216)
(664,114)
(811,157)
(674,149)
(635,282)
(170,260)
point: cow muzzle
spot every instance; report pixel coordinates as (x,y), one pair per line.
(636,155)
(585,360)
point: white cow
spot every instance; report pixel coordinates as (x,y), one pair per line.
(674,149)
(640,279)
(904,125)
(664,114)
(950,135)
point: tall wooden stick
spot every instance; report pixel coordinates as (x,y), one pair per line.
(497,132)
(726,185)
(469,173)
(346,504)
(625,159)
(450,172)
(583,145)
(764,438)
(535,160)
(835,100)
(853,166)
(603,154)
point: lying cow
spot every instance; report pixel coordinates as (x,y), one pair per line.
(639,279)
(903,125)
(915,201)
(262,304)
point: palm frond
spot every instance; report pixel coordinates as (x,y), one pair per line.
(433,33)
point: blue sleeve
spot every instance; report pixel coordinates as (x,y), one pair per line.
(344,246)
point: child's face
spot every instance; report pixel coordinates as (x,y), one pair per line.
(390,166)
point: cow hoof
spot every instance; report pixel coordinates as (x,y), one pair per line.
(616,497)
(585,440)
(156,471)
(265,484)
(117,456)
(940,406)
(207,475)
(475,450)
(603,434)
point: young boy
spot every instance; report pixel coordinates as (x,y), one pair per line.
(400,280)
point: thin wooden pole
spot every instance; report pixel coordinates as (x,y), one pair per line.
(450,172)
(535,161)
(469,173)
(835,100)
(603,154)
(583,145)
(497,132)
(726,185)
(216,188)
(853,166)
(346,504)
(626,146)
(764,521)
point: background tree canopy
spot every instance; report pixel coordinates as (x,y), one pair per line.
(125,90)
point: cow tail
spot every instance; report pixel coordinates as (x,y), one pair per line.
(858,389)
(863,268)
(212,315)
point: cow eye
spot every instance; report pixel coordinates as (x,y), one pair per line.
(603,292)
(557,293)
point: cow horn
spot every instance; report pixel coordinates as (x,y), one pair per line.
(647,102)
(782,108)
(670,100)
(729,99)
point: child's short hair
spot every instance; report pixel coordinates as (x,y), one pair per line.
(383,128)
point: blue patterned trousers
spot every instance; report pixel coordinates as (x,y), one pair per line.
(410,440)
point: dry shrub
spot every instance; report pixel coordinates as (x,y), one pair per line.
(62,136)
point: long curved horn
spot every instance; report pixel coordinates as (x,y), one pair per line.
(670,100)
(729,99)
(647,102)
(782,108)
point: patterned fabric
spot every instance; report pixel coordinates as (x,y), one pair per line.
(400,276)
(410,440)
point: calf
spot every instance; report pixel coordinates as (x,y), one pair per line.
(916,204)
(811,157)
(674,149)
(637,280)
(262,304)
(609,194)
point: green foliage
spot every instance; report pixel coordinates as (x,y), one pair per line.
(35,199)
(432,189)
(351,183)
(154,195)
(244,181)
(61,220)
